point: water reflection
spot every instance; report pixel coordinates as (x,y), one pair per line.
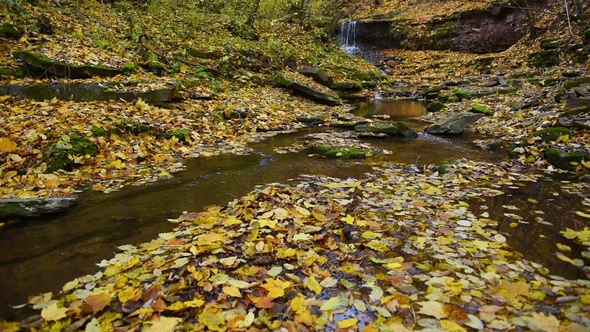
(396,109)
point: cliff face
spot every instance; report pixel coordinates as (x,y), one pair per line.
(490,30)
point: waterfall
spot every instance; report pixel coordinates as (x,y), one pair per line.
(348,38)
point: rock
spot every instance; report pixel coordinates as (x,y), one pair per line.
(572,83)
(405,130)
(549,135)
(9,31)
(315,95)
(351,86)
(336,152)
(549,44)
(454,124)
(12,72)
(318,75)
(451,83)
(311,120)
(378,127)
(58,156)
(507,90)
(587,35)
(516,107)
(435,106)
(90,92)
(564,160)
(431,93)
(530,102)
(576,102)
(491,83)
(481,109)
(44,25)
(42,65)
(571,73)
(495,145)
(576,111)
(305,91)
(583,90)
(34,207)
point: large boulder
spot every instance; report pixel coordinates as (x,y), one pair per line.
(318,75)
(392,129)
(454,124)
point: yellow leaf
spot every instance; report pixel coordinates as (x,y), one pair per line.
(6,145)
(582,214)
(450,326)
(53,312)
(232,291)
(350,322)
(164,324)
(276,288)
(127,294)
(563,247)
(231,222)
(331,304)
(314,285)
(319,216)
(432,308)
(540,322)
(348,219)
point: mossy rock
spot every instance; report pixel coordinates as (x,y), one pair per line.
(139,128)
(462,94)
(12,72)
(435,106)
(443,169)
(281,80)
(9,31)
(57,156)
(587,35)
(511,151)
(495,145)
(447,97)
(153,64)
(311,119)
(433,91)
(551,134)
(572,83)
(549,43)
(350,86)
(405,130)
(481,109)
(181,135)
(507,91)
(547,58)
(516,107)
(576,111)
(130,68)
(565,160)
(332,152)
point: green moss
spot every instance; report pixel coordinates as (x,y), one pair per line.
(130,67)
(435,106)
(510,150)
(331,152)
(461,94)
(495,145)
(566,161)
(98,131)
(546,58)
(572,83)
(12,72)
(57,156)
(9,31)
(139,128)
(281,80)
(481,109)
(153,64)
(551,134)
(443,169)
(181,135)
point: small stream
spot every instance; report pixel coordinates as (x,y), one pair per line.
(40,255)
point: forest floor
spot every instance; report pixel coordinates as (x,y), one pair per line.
(399,249)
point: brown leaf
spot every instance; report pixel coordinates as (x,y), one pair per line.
(98,301)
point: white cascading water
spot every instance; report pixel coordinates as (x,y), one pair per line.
(348,38)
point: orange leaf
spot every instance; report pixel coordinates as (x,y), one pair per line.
(98,301)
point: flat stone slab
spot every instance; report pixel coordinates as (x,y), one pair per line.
(455,124)
(34,207)
(88,92)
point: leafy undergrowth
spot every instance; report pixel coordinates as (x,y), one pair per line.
(398,250)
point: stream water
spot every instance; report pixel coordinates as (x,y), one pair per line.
(40,255)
